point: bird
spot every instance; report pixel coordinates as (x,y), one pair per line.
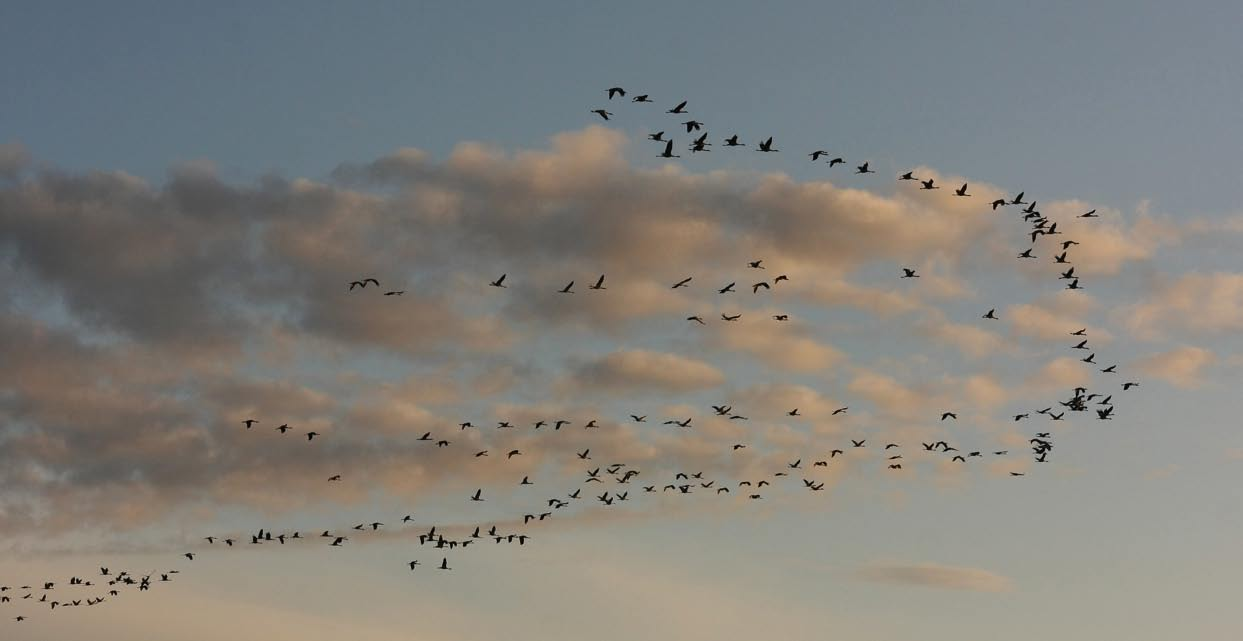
(658,136)
(679,109)
(909,273)
(732,141)
(756,287)
(858,443)
(961,191)
(767,145)
(1091,214)
(837,161)
(498,282)
(682,283)
(599,283)
(335,477)
(603,114)
(781,317)
(730,318)
(478,495)
(1000,202)
(908,176)
(840,410)
(697,319)
(311,435)
(946,415)
(863,169)
(693,125)
(249,422)
(756,264)
(815,155)
(568,289)
(668,153)
(991,314)
(1127,386)
(283,428)
(616,91)
(444,564)
(1027,253)
(412,564)
(726,289)
(641,98)
(927,184)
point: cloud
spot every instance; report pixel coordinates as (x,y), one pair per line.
(1199,303)
(642,370)
(144,321)
(1182,366)
(931,575)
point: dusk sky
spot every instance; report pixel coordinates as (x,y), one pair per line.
(191,195)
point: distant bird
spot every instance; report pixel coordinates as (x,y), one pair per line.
(726,289)
(599,283)
(756,264)
(909,273)
(335,477)
(311,435)
(732,141)
(668,153)
(908,176)
(568,289)
(658,136)
(283,428)
(991,314)
(498,282)
(682,283)
(756,287)
(478,495)
(363,283)
(927,184)
(697,319)
(767,145)
(641,98)
(837,161)
(1091,214)
(616,91)
(863,169)
(398,292)
(1027,253)
(946,415)
(961,191)
(1127,386)
(692,125)
(249,422)
(815,155)
(840,410)
(781,317)
(730,318)
(603,114)
(680,109)
(444,564)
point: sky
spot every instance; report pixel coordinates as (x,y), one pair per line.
(187,192)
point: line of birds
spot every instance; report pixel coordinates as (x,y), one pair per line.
(621,474)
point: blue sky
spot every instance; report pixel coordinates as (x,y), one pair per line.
(186,189)
(1117,101)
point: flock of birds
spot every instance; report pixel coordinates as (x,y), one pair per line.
(619,482)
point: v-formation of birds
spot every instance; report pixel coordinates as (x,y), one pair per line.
(619,482)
